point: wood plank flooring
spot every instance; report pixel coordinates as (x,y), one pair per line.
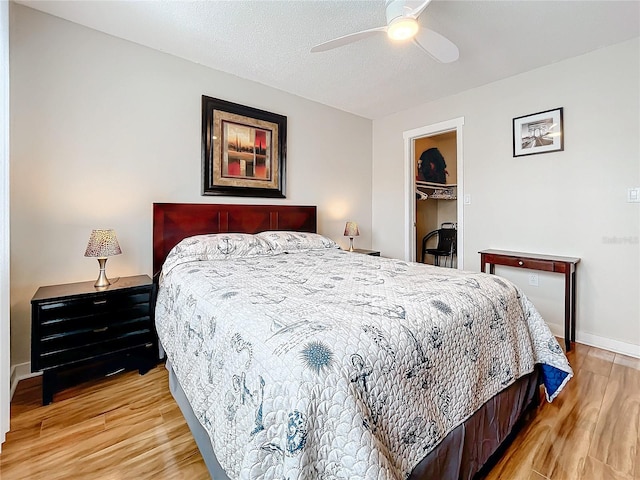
(591,430)
(129,427)
(123,427)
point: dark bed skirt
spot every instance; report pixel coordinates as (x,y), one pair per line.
(467,452)
(472,448)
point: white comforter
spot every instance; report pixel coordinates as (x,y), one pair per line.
(323,364)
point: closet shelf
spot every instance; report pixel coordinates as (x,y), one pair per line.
(437,191)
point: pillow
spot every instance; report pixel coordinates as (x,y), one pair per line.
(215,246)
(295,241)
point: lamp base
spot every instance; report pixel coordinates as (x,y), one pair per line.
(351,244)
(102,281)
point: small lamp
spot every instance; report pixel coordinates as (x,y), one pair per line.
(351,230)
(102,244)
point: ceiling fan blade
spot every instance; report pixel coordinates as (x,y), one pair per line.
(415,13)
(438,47)
(346,39)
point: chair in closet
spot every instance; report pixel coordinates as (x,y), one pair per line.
(446,244)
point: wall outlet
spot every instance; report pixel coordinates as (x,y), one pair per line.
(633,195)
(533,279)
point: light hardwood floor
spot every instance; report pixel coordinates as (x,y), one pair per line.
(129,427)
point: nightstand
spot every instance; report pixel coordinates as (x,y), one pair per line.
(373,253)
(77,330)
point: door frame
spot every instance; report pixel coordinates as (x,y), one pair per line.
(410,136)
(5,342)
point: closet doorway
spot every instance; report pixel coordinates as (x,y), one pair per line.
(434,188)
(436,196)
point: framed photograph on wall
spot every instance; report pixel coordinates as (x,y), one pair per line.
(538,133)
(243,150)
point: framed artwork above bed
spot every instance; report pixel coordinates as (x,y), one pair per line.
(243,150)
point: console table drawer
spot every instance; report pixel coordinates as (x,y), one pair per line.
(522,263)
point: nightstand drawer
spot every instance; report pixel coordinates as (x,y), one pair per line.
(69,339)
(94,347)
(67,322)
(68,309)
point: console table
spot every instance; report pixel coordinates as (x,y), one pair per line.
(546,263)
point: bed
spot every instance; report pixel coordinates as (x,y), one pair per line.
(293,359)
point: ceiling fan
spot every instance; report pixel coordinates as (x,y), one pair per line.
(402,25)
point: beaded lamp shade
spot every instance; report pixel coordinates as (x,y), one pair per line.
(351,230)
(102,244)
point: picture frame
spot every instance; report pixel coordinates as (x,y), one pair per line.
(243,150)
(541,132)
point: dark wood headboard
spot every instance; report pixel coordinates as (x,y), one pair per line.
(174,221)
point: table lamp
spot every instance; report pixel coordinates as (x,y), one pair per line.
(102,244)
(351,230)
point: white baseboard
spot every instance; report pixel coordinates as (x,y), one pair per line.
(615,346)
(19,372)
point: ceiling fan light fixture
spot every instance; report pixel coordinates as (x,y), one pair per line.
(402,28)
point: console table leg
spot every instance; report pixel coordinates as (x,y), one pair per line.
(567,310)
(573,305)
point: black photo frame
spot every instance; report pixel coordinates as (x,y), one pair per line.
(541,132)
(243,150)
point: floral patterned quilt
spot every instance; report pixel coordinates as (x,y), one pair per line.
(305,361)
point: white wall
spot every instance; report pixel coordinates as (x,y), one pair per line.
(101,128)
(569,203)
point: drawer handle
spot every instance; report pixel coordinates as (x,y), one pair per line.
(99,330)
(99,302)
(520,262)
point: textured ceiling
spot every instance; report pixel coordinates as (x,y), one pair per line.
(269,42)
